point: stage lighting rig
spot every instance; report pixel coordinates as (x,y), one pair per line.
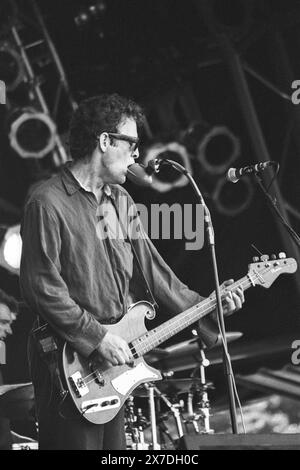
(11,248)
(32,133)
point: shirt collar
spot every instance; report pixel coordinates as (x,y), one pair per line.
(69,181)
(108,191)
(72,185)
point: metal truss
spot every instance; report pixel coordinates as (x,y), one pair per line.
(32,41)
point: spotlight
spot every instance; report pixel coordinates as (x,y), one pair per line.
(32,133)
(229,202)
(169,178)
(97,9)
(11,66)
(90,14)
(217,150)
(81,19)
(11,249)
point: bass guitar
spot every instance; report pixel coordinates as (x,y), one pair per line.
(99,390)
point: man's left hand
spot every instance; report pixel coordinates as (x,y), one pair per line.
(233,299)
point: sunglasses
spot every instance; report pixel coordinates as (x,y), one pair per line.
(134,141)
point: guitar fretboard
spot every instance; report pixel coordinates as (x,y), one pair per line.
(166,330)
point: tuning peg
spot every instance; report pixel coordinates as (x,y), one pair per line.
(264,258)
(273,257)
(255,259)
(282,255)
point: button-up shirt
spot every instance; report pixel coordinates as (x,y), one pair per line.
(78,274)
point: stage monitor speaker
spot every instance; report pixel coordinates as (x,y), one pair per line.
(240,442)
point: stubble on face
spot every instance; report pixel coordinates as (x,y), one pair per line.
(118,157)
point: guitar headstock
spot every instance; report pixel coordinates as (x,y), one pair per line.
(265,270)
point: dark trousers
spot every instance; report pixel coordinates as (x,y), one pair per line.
(61,427)
(60,433)
(5,434)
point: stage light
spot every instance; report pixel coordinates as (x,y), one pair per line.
(217,150)
(97,9)
(229,201)
(11,66)
(32,133)
(90,14)
(11,249)
(168,178)
(81,19)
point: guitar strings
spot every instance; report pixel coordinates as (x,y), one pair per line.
(179,321)
(209,301)
(133,349)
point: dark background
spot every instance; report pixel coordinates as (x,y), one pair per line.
(165,54)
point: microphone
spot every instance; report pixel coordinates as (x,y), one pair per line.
(141,174)
(137,174)
(235,174)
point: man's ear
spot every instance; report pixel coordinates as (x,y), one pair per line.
(104,141)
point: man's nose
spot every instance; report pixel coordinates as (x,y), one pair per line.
(135,154)
(8,330)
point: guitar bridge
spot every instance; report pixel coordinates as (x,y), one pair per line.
(78,384)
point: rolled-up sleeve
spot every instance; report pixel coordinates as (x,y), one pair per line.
(42,285)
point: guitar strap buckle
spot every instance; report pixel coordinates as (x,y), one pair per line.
(45,339)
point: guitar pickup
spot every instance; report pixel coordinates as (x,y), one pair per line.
(100,404)
(78,384)
(99,379)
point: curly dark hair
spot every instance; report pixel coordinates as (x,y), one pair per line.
(96,115)
(10,301)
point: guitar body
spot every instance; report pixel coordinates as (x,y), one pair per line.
(99,391)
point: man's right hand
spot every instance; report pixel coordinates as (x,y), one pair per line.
(115,350)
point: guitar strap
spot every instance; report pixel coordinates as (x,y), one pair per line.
(48,346)
(148,290)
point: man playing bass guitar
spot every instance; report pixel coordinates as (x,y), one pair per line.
(78,281)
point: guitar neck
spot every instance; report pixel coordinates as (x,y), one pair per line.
(166,330)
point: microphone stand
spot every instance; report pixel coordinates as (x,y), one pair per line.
(272,204)
(211,241)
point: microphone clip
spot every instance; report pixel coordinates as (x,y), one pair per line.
(154,165)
